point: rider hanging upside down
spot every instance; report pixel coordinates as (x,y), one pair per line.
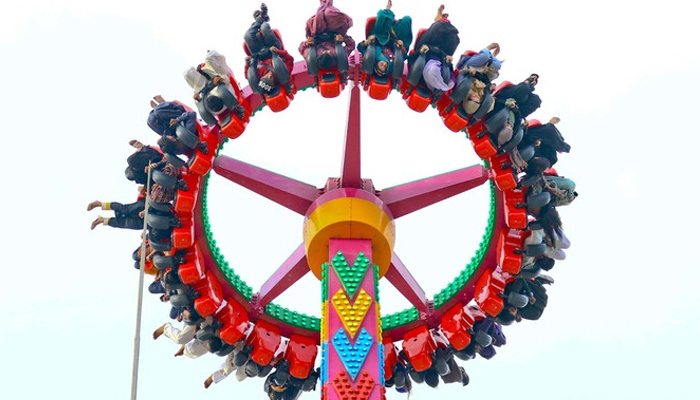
(211,82)
(325,30)
(266,51)
(437,45)
(386,43)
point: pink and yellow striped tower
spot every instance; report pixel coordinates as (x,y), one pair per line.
(349,236)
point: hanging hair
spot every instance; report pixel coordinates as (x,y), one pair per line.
(551,223)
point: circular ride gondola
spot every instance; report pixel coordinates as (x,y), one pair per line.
(348,246)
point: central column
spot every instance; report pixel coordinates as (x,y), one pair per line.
(352,364)
(349,240)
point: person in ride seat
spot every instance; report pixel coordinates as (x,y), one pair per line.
(483,65)
(263,44)
(494,331)
(323,30)
(277,391)
(523,94)
(126,216)
(484,68)
(388,35)
(138,161)
(438,44)
(214,71)
(546,140)
(268,78)
(259,35)
(166,116)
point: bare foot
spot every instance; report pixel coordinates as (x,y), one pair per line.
(158,332)
(97,221)
(159,98)
(554,120)
(94,205)
(181,351)
(208,382)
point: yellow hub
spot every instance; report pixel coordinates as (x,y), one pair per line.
(348,214)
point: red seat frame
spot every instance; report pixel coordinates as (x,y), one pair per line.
(192,270)
(508,249)
(419,346)
(210,295)
(264,339)
(235,321)
(455,324)
(516,217)
(301,354)
(504,175)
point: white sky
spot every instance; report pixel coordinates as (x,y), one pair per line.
(77,77)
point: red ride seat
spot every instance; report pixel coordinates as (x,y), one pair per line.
(505,176)
(264,340)
(280,99)
(378,88)
(456,119)
(515,209)
(231,125)
(481,140)
(419,99)
(183,237)
(193,268)
(210,295)
(509,250)
(329,83)
(235,321)
(488,292)
(419,346)
(185,201)
(455,325)
(391,357)
(201,163)
(301,354)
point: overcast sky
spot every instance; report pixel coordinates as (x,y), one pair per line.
(77,78)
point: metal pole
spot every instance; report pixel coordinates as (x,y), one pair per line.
(139,305)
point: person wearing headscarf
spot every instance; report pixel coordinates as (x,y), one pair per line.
(438,44)
(547,140)
(483,65)
(387,34)
(523,94)
(325,26)
(442,38)
(387,28)
(323,29)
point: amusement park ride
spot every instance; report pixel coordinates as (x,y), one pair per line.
(348,245)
